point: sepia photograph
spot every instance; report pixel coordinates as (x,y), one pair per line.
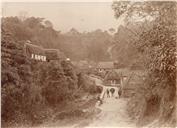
(88,64)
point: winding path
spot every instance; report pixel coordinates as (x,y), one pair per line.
(113,114)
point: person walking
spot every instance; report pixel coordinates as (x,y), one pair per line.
(112,90)
(120,92)
(107,91)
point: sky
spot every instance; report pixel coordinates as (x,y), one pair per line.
(83,16)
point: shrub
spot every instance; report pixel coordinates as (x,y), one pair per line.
(16,79)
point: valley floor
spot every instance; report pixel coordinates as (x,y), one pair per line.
(112,113)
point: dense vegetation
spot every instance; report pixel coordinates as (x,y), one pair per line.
(148,39)
(123,50)
(77,46)
(31,88)
(157,45)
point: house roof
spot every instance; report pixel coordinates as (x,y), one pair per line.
(112,75)
(105,65)
(51,54)
(33,49)
(81,64)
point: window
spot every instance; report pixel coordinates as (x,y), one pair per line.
(32,56)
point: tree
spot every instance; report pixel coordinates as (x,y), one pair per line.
(112,30)
(16,78)
(157,45)
(48,24)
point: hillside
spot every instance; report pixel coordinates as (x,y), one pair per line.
(77,46)
(31,89)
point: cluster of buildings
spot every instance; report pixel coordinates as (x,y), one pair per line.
(109,71)
(112,75)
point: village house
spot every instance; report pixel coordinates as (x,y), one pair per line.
(112,78)
(125,78)
(105,66)
(39,53)
(34,52)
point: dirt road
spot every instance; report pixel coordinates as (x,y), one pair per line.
(113,114)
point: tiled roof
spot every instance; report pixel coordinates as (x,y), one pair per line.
(112,75)
(34,49)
